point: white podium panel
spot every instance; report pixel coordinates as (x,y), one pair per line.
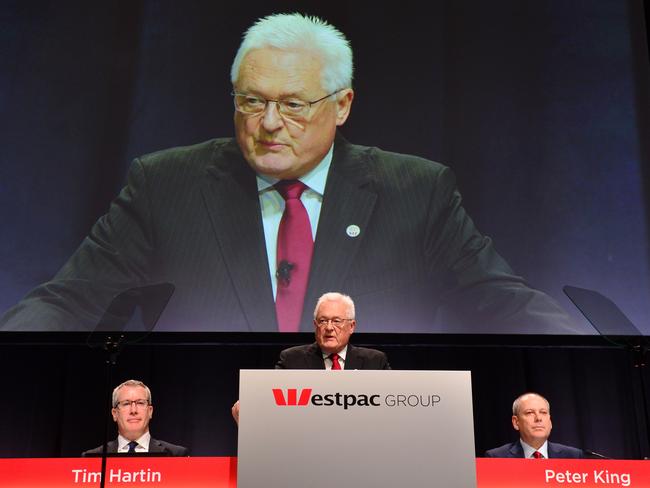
(313,429)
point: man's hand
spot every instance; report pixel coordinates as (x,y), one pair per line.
(235,412)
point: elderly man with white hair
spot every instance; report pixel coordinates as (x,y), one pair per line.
(334,323)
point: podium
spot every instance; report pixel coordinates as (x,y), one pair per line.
(357,428)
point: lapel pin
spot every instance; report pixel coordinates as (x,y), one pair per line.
(353,230)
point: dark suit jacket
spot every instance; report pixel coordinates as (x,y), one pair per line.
(155,446)
(514,450)
(191,216)
(309,356)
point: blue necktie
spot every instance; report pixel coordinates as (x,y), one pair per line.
(132,446)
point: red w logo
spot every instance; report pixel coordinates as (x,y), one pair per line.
(292,397)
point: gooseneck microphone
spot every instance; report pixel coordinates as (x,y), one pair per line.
(594,454)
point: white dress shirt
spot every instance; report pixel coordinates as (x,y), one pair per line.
(528,450)
(328,361)
(143,443)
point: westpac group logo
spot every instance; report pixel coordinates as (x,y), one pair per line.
(294,397)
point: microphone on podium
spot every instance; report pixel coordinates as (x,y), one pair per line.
(594,454)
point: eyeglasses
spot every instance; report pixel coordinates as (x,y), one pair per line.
(124,404)
(292,108)
(336,322)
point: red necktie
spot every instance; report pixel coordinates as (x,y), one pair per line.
(537,455)
(335,361)
(295,247)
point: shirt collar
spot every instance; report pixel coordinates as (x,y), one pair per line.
(529,450)
(143,441)
(342,353)
(314,180)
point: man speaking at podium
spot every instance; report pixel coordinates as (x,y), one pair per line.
(334,323)
(531,417)
(132,410)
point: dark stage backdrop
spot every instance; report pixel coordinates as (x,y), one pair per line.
(53,402)
(541,109)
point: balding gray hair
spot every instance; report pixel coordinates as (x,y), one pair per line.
(517,403)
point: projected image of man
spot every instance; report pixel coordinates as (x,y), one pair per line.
(250,229)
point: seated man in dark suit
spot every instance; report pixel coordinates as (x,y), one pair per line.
(531,416)
(132,411)
(334,323)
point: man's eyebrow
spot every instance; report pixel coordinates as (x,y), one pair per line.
(293,94)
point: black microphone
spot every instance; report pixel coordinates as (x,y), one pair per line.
(595,454)
(283,274)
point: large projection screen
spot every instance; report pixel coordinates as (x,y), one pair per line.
(540,110)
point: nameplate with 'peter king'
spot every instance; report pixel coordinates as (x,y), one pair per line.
(562,473)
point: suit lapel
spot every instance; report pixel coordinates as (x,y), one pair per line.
(155,445)
(230,194)
(315,357)
(111,447)
(352,360)
(348,201)
(517,450)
